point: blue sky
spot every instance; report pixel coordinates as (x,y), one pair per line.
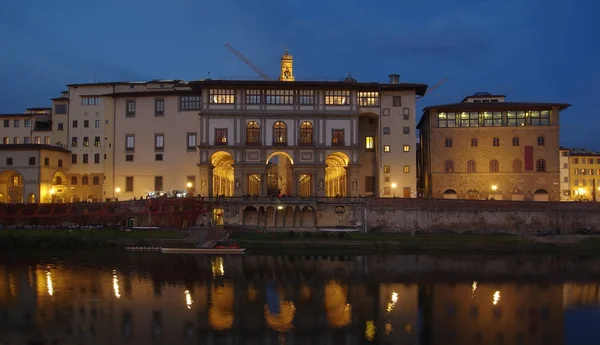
(530,50)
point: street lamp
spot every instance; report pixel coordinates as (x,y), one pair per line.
(117,191)
(394,189)
(494,187)
(189,185)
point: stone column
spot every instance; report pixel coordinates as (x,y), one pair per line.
(205,187)
(238,181)
(319,181)
(352,181)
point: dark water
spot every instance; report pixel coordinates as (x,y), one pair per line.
(127,298)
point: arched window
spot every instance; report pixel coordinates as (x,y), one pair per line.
(448,166)
(496,141)
(252,133)
(471,166)
(279,133)
(74,180)
(541,141)
(306,133)
(540,165)
(448,142)
(494,166)
(474,142)
(95,180)
(517,165)
(516,141)
(84,180)
(58,180)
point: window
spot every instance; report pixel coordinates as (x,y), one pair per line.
(86,124)
(515,118)
(406,169)
(159,107)
(494,166)
(96,158)
(85,158)
(74,142)
(129,142)
(541,141)
(159,142)
(471,166)
(47,140)
(469,119)
(406,148)
(491,119)
(566,179)
(60,163)
(386,169)
(368,99)
(26,140)
(158,157)
(446,120)
(46,161)
(448,166)
(129,183)
(158,183)
(74,180)
(515,141)
(6,140)
(60,126)
(97,123)
(16,123)
(95,180)
(191,141)
(9,161)
(474,142)
(60,109)
(517,165)
(386,130)
(337,97)
(565,165)
(306,133)
(222,96)
(75,124)
(189,103)
(406,130)
(84,180)
(279,133)
(369,184)
(496,141)
(16,140)
(128,158)
(540,118)
(253,133)
(279,97)
(369,143)
(253,97)
(406,113)
(575,160)
(97,141)
(36,140)
(6,123)
(337,137)
(220,136)
(31,160)
(306,97)
(130,108)
(448,142)
(397,101)
(90,101)
(86,141)
(27,123)
(540,165)
(386,148)
(387,191)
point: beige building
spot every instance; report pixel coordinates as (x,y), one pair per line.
(30,127)
(584,171)
(565,184)
(485,148)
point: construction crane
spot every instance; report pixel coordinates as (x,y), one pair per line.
(438,84)
(248,62)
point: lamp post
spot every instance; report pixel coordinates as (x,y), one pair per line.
(117,191)
(394,189)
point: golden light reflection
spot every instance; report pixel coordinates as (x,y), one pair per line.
(252,292)
(217,266)
(473,288)
(370,330)
(496,297)
(220,313)
(388,328)
(281,322)
(305,292)
(339,312)
(188,299)
(116,285)
(49,283)
(392,303)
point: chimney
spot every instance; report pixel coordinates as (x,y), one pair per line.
(394,78)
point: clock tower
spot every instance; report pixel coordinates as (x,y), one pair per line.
(287,68)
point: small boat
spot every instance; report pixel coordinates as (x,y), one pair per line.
(143,249)
(203,250)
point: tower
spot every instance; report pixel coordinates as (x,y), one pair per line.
(287,68)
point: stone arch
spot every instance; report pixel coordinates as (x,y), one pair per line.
(335,174)
(541,195)
(250,216)
(59,179)
(11,186)
(297,216)
(279,174)
(288,217)
(472,194)
(308,217)
(450,194)
(223,173)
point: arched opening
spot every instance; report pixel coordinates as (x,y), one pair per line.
(449,194)
(31,198)
(541,195)
(335,174)
(11,186)
(279,174)
(517,195)
(279,133)
(472,194)
(250,217)
(495,194)
(222,174)
(306,133)
(252,133)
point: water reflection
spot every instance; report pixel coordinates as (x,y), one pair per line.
(265,300)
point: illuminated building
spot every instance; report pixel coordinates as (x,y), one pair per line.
(486,148)
(565,175)
(584,174)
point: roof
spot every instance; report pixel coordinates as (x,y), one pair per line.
(482,95)
(366,86)
(18,115)
(29,147)
(583,152)
(36,109)
(60,99)
(150,93)
(114,83)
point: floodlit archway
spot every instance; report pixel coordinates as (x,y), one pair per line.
(335,174)
(279,174)
(223,174)
(11,186)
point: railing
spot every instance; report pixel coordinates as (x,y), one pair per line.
(287,200)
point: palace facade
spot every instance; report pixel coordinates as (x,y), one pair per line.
(236,138)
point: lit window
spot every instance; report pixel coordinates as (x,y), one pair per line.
(279,97)
(337,137)
(222,96)
(386,148)
(220,136)
(368,99)
(369,143)
(406,169)
(159,142)
(337,97)
(406,148)
(252,96)
(386,169)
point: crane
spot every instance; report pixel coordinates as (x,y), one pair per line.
(248,62)
(438,84)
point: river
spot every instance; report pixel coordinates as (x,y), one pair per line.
(137,298)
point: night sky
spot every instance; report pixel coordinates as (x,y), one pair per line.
(529,50)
